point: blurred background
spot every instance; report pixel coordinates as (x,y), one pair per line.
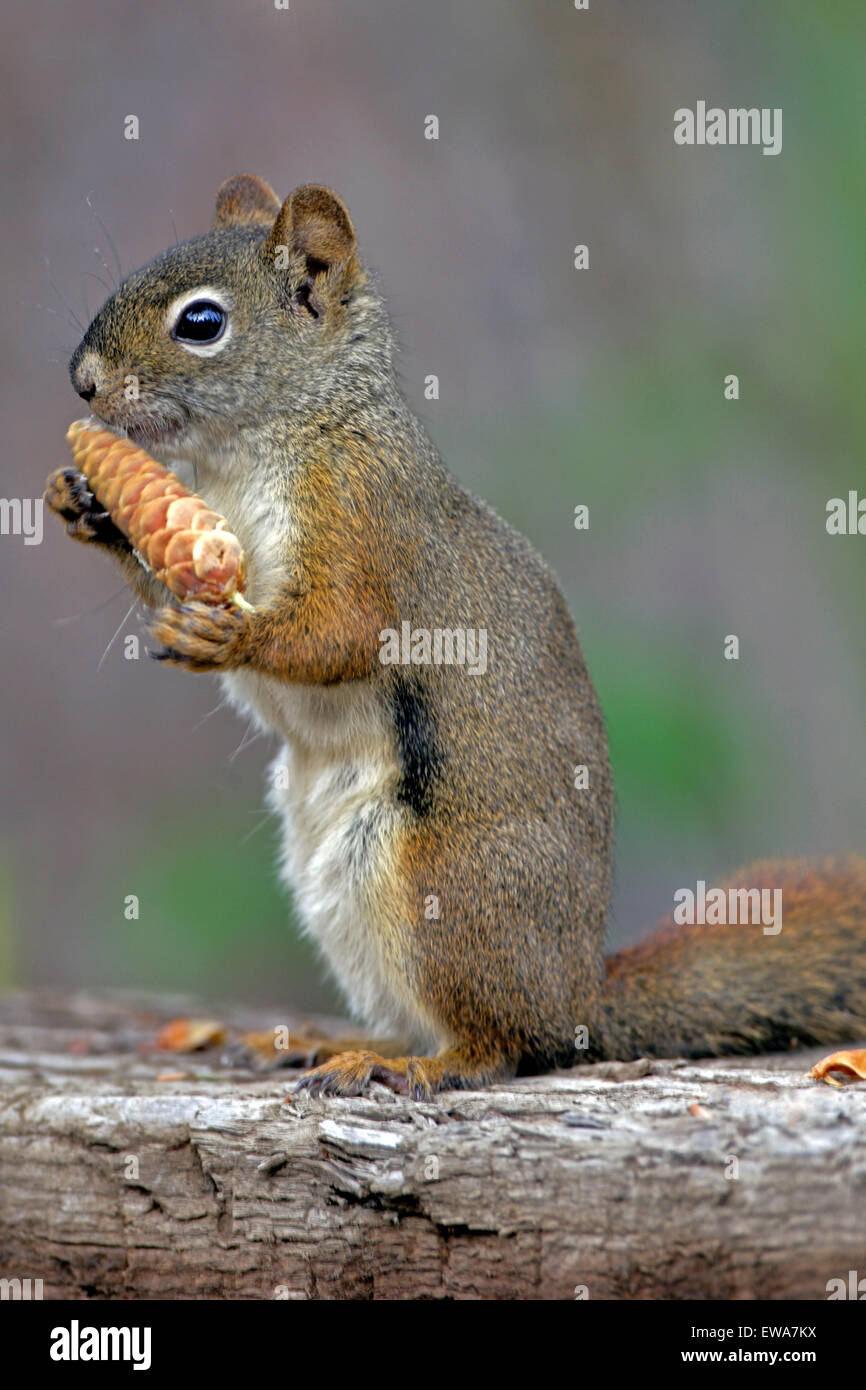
(557,387)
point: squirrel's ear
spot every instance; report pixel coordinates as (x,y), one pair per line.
(245,200)
(314,223)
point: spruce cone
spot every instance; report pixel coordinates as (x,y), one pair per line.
(173,531)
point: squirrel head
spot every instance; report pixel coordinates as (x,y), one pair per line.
(269,313)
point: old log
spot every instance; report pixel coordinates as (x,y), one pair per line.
(125,1174)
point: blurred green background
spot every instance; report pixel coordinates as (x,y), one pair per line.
(558,387)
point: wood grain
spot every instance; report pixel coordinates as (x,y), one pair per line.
(607,1178)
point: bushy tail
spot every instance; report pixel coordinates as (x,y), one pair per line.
(713,990)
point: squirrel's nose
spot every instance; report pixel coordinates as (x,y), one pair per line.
(87,371)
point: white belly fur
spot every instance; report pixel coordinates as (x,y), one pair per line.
(336,773)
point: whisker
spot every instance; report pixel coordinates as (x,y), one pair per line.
(256,828)
(88,612)
(93,276)
(60,295)
(245,742)
(97,251)
(123,620)
(108,237)
(205,717)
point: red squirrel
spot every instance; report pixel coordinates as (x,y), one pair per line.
(454,876)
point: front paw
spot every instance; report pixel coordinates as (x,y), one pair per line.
(68,495)
(201,637)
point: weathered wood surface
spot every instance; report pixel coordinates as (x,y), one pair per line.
(602,1177)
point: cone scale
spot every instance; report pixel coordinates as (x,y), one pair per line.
(174,532)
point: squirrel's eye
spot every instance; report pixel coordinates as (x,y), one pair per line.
(201,322)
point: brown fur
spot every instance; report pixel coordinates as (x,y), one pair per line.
(246,200)
(352,525)
(698,990)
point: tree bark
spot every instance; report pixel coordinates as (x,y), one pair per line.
(664,1180)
